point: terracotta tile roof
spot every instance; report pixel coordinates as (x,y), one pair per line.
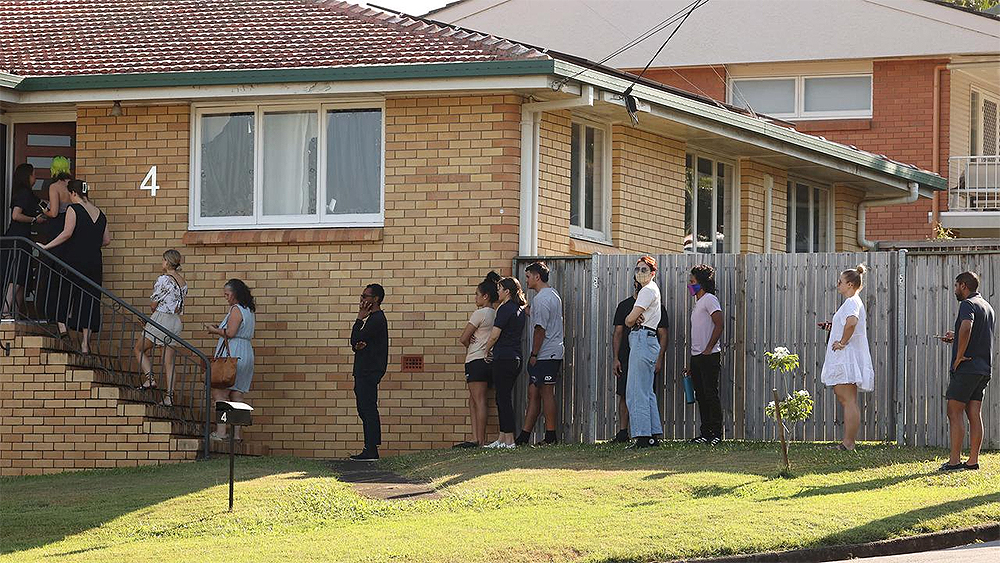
(70,37)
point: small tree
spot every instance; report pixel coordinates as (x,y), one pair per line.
(795,407)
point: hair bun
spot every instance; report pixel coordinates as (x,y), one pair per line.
(861,269)
(493,277)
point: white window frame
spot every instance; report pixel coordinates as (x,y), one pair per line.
(800,114)
(604,235)
(979,117)
(790,220)
(733,164)
(322,218)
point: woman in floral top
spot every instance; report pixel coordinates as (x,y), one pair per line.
(167,304)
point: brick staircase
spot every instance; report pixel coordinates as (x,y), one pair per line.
(58,412)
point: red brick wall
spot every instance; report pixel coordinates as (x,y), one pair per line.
(902,129)
(705,80)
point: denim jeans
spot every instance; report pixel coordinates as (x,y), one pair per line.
(643,413)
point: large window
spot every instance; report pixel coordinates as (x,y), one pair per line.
(809,221)
(805,97)
(280,166)
(984,125)
(590,182)
(710,215)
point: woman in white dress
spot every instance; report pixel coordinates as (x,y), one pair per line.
(848,363)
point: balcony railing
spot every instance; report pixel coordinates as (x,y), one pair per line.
(974,183)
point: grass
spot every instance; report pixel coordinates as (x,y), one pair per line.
(565,503)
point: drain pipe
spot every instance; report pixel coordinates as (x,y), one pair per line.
(866,203)
(530,120)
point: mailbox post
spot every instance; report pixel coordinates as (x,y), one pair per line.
(232,414)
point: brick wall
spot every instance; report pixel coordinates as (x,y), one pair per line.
(753,210)
(845,218)
(555,139)
(902,129)
(451,166)
(706,80)
(647,197)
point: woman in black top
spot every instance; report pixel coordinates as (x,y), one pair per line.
(504,347)
(85,232)
(25,211)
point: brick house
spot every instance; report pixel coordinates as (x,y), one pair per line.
(318,146)
(923,86)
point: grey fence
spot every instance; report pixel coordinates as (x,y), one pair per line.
(773,300)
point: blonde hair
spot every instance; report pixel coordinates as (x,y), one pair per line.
(173,259)
(855,277)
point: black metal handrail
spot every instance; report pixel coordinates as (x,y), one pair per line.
(60,293)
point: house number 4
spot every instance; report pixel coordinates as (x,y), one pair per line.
(149,182)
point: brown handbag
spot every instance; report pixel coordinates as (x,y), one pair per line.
(223,368)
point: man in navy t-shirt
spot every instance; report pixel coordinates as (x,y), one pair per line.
(971,369)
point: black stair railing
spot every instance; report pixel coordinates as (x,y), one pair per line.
(39,290)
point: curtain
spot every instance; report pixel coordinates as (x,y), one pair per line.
(289,146)
(354,162)
(227,165)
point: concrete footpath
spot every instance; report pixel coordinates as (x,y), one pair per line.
(976,553)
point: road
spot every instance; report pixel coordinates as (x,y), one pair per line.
(975,553)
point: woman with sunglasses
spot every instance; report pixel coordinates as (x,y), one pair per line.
(644,349)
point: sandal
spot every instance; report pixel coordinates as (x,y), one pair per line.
(149,384)
(168,400)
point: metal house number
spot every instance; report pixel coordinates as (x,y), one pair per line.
(149,182)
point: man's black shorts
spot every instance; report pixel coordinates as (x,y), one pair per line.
(965,387)
(478,371)
(544,372)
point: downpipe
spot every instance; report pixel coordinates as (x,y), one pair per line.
(866,203)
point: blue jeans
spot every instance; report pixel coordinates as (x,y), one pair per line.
(643,413)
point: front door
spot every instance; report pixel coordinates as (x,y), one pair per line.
(37,144)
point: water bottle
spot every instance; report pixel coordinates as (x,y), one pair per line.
(688,389)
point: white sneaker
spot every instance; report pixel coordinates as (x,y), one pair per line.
(508,446)
(495,445)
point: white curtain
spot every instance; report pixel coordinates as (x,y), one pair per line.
(289,145)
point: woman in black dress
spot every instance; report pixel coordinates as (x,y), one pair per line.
(25,211)
(81,239)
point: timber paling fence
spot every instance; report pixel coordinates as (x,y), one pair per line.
(771,300)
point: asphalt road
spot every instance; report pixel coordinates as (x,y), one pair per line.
(975,553)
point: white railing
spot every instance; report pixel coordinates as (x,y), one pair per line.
(974,183)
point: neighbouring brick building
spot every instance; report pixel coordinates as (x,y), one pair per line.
(916,80)
(323,146)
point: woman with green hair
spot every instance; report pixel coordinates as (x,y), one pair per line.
(59,202)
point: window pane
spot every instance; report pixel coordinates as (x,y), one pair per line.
(574,177)
(36,140)
(846,93)
(354,162)
(801,218)
(289,145)
(588,194)
(688,204)
(227,165)
(595,179)
(765,96)
(705,207)
(820,231)
(974,126)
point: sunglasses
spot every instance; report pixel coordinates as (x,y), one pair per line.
(642,269)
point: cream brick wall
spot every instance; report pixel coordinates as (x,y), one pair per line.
(555,139)
(451,163)
(753,200)
(647,197)
(845,218)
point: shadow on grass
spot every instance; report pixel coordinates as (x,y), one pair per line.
(856,486)
(761,459)
(907,522)
(40,510)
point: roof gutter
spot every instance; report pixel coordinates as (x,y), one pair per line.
(866,203)
(530,119)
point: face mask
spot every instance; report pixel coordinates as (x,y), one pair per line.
(643,278)
(694,288)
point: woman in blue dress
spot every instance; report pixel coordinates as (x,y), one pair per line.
(237,327)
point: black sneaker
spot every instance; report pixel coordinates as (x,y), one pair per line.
(714,441)
(972,467)
(645,442)
(946,467)
(699,440)
(466,445)
(523,439)
(365,456)
(621,437)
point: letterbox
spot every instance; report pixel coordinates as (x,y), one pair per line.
(231,412)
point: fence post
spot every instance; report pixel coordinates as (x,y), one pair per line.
(739,363)
(899,420)
(593,348)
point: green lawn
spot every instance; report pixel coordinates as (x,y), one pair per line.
(566,503)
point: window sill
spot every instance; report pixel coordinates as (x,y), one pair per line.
(583,246)
(282,236)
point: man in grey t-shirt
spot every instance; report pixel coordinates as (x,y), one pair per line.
(545,363)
